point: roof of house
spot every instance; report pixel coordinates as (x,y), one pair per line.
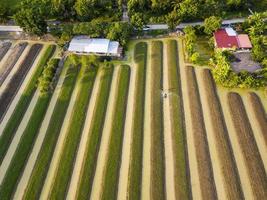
(244,41)
(223,40)
(230,31)
(93,45)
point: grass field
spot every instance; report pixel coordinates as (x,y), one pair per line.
(135,175)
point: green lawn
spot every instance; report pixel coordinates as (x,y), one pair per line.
(38,175)
(182,185)
(111,179)
(23,103)
(204,50)
(95,133)
(24,148)
(157,137)
(85,84)
(135,174)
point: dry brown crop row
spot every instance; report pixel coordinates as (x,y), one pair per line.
(18,78)
(260,114)
(207,183)
(4,49)
(226,158)
(248,145)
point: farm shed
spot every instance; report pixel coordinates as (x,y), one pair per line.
(98,46)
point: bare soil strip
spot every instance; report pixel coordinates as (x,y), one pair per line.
(17,79)
(38,143)
(177,139)
(13,146)
(207,183)
(224,165)
(257,174)
(146,170)
(10,62)
(4,49)
(76,174)
(257,116)
(127,139)
(191,149)
(59,147)
(103,150)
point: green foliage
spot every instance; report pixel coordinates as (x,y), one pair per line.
(120,31)
(212,24)
(138,21)
(31,21)
(3,13)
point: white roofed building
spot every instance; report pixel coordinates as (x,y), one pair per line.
(98,46)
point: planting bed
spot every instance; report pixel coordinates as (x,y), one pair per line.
(11,61)
(157,139)
(226,157)
(18,78)
(135,171)
(4,48)
(207,183)
(248,145)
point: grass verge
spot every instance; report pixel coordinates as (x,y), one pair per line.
(23,103)
(157,136)
(85,84)
(95,133)
(135,173)
(111,179)
(182,186)
(41,167)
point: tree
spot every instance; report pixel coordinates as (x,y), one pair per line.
(3,13)
(31,21)
(212,24)
(137,20)
(120,31)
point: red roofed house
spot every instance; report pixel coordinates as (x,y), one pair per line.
(228,39)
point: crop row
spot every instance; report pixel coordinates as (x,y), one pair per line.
(22,104)
(182,184)
(157,137)
(4,48)
(207,183)
(38,175)
(248,145)
(17,79)
(135,172)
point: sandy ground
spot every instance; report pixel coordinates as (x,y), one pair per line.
(241,166)
(127,140)
(13,146)
(146,172)
(194,174)
(59,146)
(8,54)
(214,154)
(169,160)
(73,187)
(258,134)
(103,150)
(14,69)
(39,140)
(22,87)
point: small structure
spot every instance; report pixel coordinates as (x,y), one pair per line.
(228,39)
(97,46)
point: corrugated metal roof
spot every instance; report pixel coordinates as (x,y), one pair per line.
(223,40)
(230,31)
(244,41)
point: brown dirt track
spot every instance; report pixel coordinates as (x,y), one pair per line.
(226,157)
(18,78)
(207,183)
(260,114)
(248,145)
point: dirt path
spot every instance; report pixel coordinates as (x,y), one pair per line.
(103,150)
(15,68)
(169,160)
(238,154)
(60,143)
(8,54)
(146,172)
(194,174)
(126,148)
(214,154)
(39,140)
(258,132)
(24,84)
(13,146)
(73,187)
